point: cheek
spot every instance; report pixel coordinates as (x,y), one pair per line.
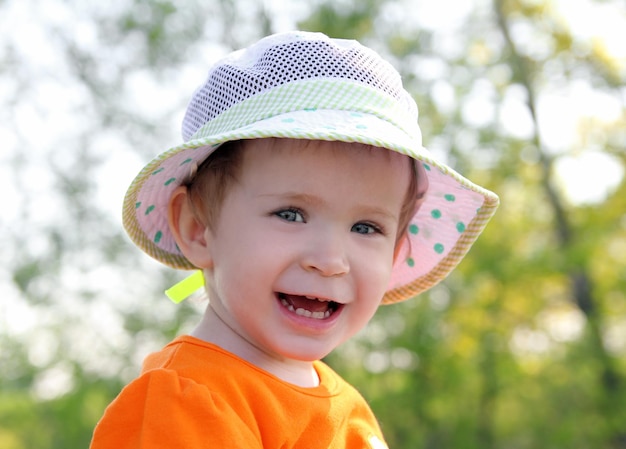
(374,279)
(243,262)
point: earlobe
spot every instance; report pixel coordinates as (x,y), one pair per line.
(191,234)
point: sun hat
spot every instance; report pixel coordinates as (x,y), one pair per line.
(304,85)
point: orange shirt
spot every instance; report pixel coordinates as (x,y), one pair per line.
(193,394)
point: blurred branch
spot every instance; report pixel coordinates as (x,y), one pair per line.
(523,71)
(578,274)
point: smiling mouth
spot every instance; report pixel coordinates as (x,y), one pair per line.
(308,306)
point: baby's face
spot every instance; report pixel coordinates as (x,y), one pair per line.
(304,244)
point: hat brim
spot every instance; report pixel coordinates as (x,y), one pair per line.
(452,215)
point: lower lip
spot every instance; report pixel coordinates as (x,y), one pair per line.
(310,324)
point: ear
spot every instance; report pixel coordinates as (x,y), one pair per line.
(192,235)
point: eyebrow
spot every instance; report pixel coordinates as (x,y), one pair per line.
(294,196)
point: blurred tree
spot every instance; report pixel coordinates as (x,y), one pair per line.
(523,346)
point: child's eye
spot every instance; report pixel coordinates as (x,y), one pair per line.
(290,214)
(366,228)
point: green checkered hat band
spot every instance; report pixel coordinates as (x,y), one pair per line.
(350,94)
(309,95)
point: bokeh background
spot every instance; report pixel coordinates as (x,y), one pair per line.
(523,346)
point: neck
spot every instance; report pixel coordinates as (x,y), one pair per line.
(214,330)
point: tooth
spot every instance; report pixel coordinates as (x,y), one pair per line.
(304,313)
(286,304)
(311,297)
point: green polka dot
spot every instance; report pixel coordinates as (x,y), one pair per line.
(288,120)
(414,229)
(356,114)
(138,205)
(460,227)
(449,197)
(438,248)
(426,167)
(158,171)
(436,213)
(186,161)
(169,181)
(361,127)
(410,262)
(150,209)
(310,109)
(157,237)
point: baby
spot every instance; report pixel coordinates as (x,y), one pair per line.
(305,199)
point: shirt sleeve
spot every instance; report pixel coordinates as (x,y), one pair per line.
(160,409)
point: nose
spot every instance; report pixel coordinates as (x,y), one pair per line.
(326,255)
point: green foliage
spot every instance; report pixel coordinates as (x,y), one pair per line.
(63,422)
(347,23)
(521,347)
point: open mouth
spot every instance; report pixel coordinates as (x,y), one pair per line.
(308,306)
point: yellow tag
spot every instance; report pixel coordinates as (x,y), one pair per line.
(185,288)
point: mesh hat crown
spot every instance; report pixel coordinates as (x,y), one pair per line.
(303,85)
